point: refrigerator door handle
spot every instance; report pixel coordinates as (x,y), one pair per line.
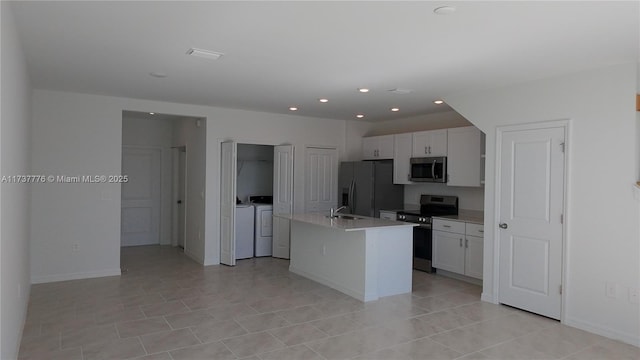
(351,198)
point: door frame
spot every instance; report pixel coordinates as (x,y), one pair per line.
(175,195)
(246,141)
(500,130)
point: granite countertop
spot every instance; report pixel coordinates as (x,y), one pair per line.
(470,216)
(362,223)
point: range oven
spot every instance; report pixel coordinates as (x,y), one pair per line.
(430,205)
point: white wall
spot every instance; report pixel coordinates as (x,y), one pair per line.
(255,177)
(15,149)
(157,133)
(603,237)
(255,171)
(80,133)
(469,198)
(192,133)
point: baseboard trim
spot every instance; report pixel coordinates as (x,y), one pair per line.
(355,294)
(194,257)
(74,276)
(487,298)
(604,331)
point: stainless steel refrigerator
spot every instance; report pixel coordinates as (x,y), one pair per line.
(366,187)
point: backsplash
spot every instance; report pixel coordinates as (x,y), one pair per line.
(469,198)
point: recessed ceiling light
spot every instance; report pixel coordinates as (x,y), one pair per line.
(207,54)
(363,90)
(395,109)
(293,108)
(438,102)
(360,116)
(152,113)
(444,10)
(158,74)
(323,100)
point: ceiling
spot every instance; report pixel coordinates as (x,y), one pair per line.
(282,54)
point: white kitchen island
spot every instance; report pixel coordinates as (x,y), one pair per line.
(366,258)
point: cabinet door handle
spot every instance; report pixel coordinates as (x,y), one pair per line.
(429,149)
(447,226)
(425,150)
(460,242)
(481,231)
(466,243)
(408,177)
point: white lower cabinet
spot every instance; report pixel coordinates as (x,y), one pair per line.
(457,248)
(448,251)
(474,250)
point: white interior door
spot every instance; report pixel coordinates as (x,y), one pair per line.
(321,179)
(228,159)
(140,206)
(182,198)
(282,199)
(531,208)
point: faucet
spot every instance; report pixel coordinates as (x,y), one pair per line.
(332,213)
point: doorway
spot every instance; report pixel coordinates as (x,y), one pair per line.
(165,193)
(248,170)
(531,183)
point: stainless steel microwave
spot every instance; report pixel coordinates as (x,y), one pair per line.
(429,169)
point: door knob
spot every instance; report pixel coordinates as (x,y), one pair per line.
(503,225)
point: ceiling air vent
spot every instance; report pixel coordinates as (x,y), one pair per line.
(207,54)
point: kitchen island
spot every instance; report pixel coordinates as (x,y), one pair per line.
(366,258)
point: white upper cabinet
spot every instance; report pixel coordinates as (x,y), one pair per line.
(377,147)
(464,156)
(402,150)
(430,143)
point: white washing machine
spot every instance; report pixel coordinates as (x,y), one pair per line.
(263,229)
(244,231)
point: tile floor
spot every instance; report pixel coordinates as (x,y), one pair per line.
(166,306)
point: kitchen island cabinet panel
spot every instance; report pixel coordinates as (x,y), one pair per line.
(366,262)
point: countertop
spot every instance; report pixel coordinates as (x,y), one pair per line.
(363,223)
(407,207)
(470,216)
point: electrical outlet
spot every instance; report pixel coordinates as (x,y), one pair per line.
(633,296)
(611,289)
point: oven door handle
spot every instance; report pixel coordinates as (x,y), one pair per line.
(433,170)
